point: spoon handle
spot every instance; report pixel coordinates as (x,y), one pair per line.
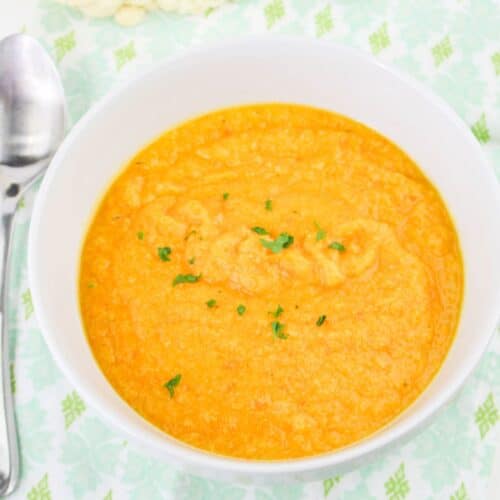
(9,447)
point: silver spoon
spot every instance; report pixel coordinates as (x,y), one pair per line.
(32,122)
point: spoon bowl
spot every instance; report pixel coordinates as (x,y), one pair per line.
(32,112)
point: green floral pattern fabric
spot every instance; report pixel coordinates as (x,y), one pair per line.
(453,46)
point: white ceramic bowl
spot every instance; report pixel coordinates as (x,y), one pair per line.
(251,71)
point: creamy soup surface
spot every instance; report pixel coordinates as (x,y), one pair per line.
(270,282)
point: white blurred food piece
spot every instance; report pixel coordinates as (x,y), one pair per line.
(130,15)
(131,12)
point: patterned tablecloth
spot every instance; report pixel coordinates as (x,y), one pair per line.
(68,452)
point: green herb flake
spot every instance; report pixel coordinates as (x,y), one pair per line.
(211,303)
(172,384)
(91,285)
(259,230)
(140,235)
(278,312)
(278,330)
(192,260)
(185,278)
(284,240)
(225,196)
(189,234)
(269,205)
(335,245)
(164,253)
(241,309)
(321,233)
(321,320)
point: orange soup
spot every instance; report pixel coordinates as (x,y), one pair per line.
(271,282)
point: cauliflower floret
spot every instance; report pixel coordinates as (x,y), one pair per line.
(131,12)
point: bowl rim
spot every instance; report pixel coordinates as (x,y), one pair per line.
(187,454)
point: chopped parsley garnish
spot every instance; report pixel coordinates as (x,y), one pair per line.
(321,233)
(335,245)
(259,230)
(269,205)
(211,303)
(164,253)
(225,196)
(91,285)
(321,320)
(284,240)
(241,309)
(190,234)
(172,384)
(185,278)
(191,260)
(278,330)
(278,312)
(140,235)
